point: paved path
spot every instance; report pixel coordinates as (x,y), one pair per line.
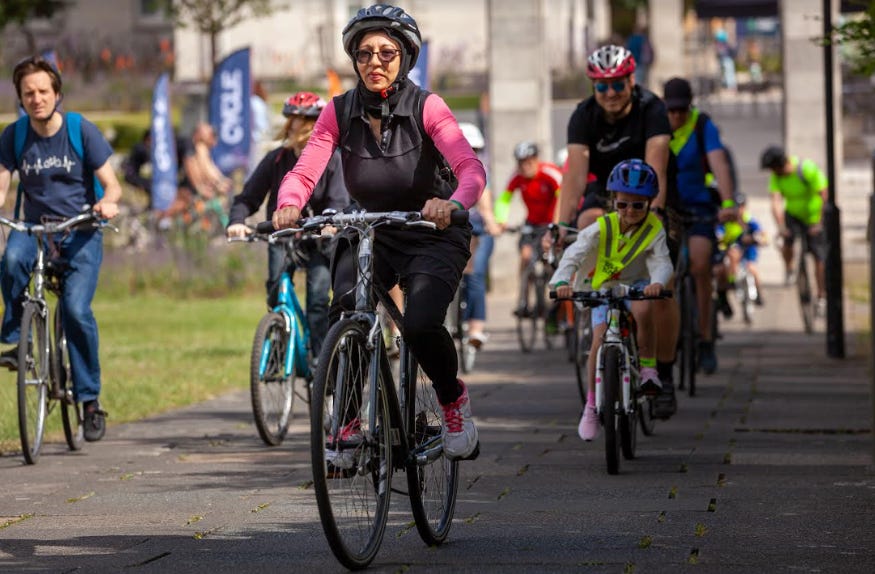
(767,470)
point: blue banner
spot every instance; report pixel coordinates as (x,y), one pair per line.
(230,90)
(163,150)
(419,74)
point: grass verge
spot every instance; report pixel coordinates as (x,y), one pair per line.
(158,353)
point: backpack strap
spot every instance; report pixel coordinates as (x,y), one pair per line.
(699,130)
(74,133)
(800,173)
(20,136)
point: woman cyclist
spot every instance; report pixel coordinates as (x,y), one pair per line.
(301,111)
(392,136)
(638,256)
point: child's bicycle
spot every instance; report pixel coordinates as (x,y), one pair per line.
(363,427)
(44,374)
(279,367)
(619,402)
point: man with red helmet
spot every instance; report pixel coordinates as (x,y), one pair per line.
(620,121)
(301,111)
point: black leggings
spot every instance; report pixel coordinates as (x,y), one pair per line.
(428,298)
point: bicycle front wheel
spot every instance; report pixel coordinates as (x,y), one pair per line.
(527,313)
(689,338)
(611,409)
(350,446)
(72,412)
(432,479)
(583,334)
(33,381)
(806,301)
(271,388)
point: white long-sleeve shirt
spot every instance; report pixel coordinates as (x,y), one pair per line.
(653,264)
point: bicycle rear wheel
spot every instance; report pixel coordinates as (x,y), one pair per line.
(746,292)
(271,390)
(611,409)
(350,446)
(527,313)
(72,412)
(33,381)
(432,479)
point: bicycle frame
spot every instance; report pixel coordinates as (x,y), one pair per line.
(297,328)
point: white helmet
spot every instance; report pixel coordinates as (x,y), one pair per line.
(473,134)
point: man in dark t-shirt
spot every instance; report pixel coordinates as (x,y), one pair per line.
(621,121)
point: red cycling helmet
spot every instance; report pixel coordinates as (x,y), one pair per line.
(305,104)
(610,62)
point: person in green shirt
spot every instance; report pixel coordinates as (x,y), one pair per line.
(799,191)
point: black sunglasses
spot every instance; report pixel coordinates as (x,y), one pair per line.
(618,86)
(636,205)
(385,56)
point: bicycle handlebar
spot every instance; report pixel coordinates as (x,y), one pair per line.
(365,218)
(615,293)
(58,227)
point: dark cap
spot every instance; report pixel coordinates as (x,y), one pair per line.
(677,94)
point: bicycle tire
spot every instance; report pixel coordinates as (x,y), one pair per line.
(611,409)
(803,287)
(629,421)
(353,498)
(33,380)
(432,481)
(689,336)
(583,334)
(746,291)
(72,412)
(271,391)
(550,313)
(527,313)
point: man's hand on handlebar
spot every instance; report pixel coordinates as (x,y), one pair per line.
(106,209)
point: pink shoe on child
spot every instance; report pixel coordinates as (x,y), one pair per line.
(588,428)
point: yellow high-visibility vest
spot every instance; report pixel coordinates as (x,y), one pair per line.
(612,258)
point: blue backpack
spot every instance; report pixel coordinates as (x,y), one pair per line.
(73,121)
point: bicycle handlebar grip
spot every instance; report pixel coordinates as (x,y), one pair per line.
(265,227)
(459,217)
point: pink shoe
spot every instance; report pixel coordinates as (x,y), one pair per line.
(588,428)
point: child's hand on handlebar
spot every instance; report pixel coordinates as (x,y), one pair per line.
(564,291)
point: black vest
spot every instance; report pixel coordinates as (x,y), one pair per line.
(400,173)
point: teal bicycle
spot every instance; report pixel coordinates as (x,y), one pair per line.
(279,368)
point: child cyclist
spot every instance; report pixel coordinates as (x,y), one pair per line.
(626,246)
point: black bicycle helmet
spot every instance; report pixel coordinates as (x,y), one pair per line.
(524,150)
(773,157)
(398,23)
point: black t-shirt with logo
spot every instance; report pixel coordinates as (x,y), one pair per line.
(609,144)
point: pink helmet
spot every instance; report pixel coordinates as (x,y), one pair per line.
(610,62)
(305,104)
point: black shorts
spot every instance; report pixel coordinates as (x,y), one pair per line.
(817,244)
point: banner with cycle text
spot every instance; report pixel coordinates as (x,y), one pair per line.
(163,147)
(230,115)
(419,74)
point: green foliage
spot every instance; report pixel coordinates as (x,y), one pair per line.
(21,11)
(858,35)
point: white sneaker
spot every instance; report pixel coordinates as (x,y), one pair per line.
(461,440)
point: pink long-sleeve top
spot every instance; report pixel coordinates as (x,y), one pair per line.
(440,125)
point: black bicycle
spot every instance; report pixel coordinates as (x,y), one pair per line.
(363,427)
(44,376)
(532,305)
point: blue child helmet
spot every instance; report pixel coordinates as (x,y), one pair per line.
(633,176)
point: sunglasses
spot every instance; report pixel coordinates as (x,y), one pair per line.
(385,56)
(636,205)
(602,87)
